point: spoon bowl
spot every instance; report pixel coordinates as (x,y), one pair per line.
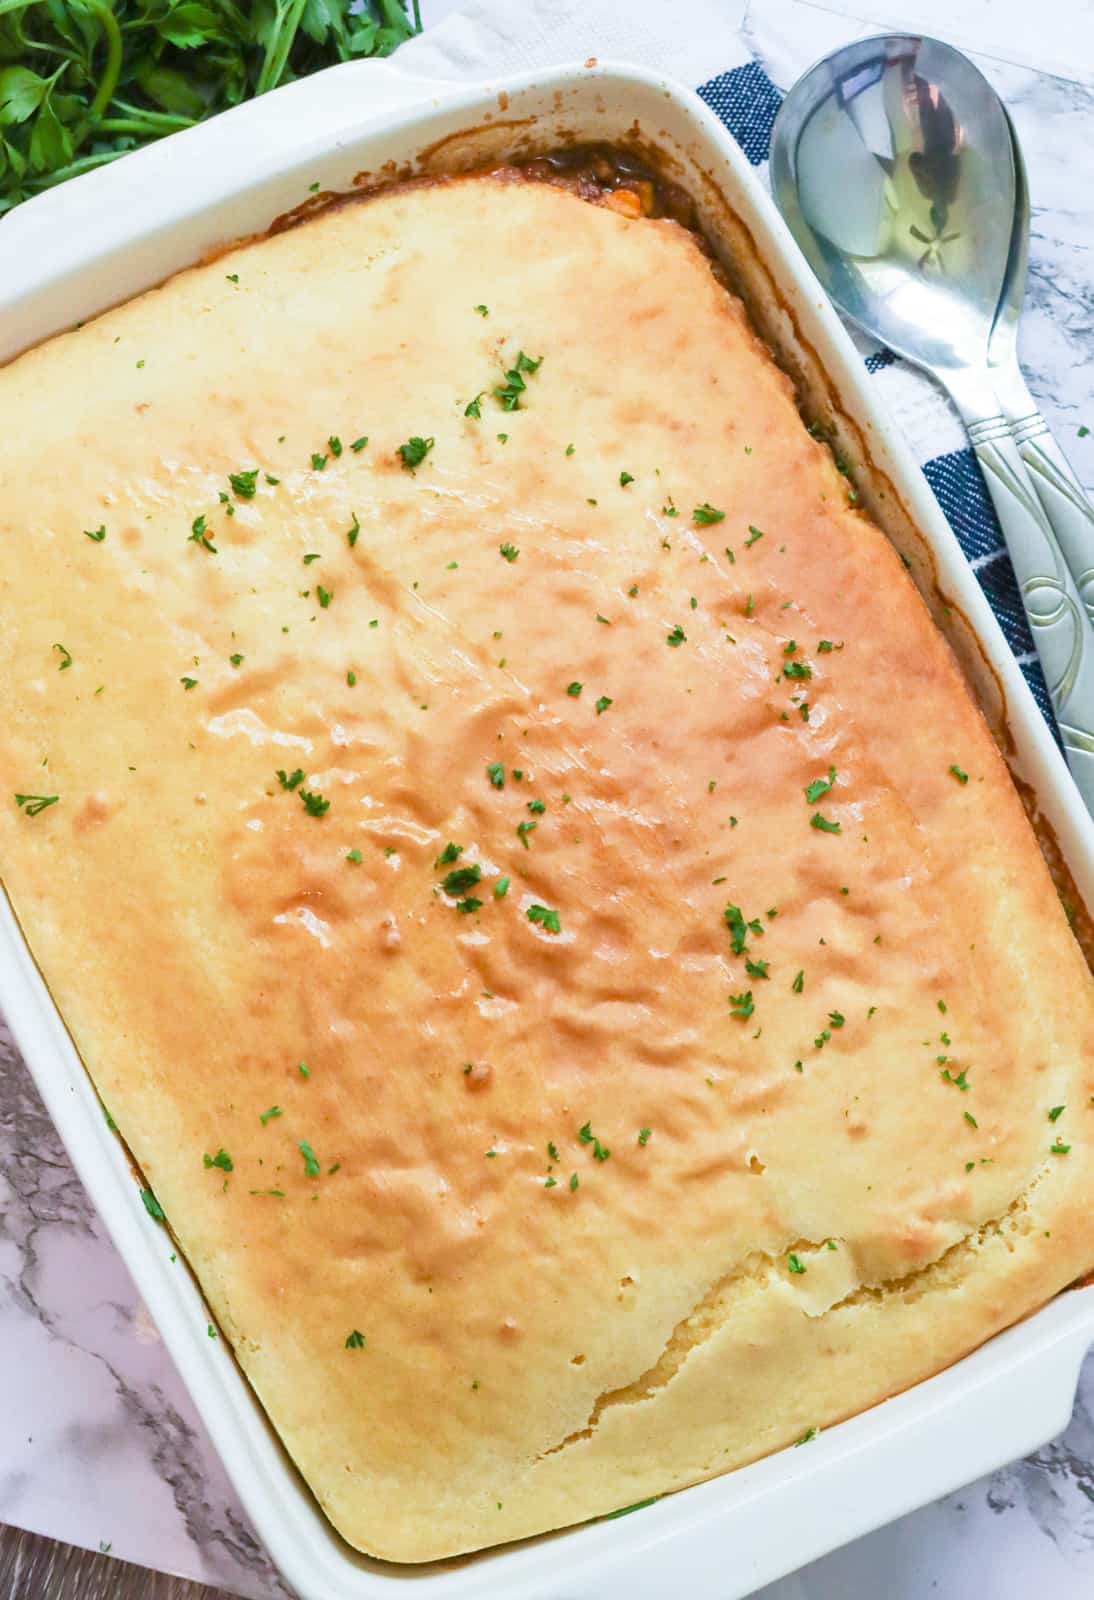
(892,162)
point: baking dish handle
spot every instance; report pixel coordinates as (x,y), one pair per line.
(144,183)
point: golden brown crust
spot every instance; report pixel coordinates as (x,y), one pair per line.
(535,1353)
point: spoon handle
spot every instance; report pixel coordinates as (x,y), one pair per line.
(1061,629)
(1058,489)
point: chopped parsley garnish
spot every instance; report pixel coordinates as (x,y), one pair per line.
(356,1340)
(753,535)
(757,969)
(797,669)
(676,637)
(509,551)
(353,530)
(817,821)
(351,677)
(1083,430)
(603,703)
(97,535)
(644,1135)
(970,1119)
(607,621)
(354,856)
(474,407)
(573,1180)
(824,646)
(962,777)
(359,444)
(501,888)
(1056,1112)
(509,393)
(318,461)
(706,513)
(574,688)
(545,917)
(739,927)
(236,659)
(222,1160)
(587,1136)
(496,773)
(1058,1147)
(959,1080)
(461,878)
(310,557)
(795,1263)
(335,445)
(267,1116)
(414,451)
(66,657)
(741,1004)
(311,1165)
(624,479)
(198,535)
(187,683)
(244,484)
(819,786)
(324,596)
(799,982)
(468,905)
(314,804)
(483,311)
(836,1018)
(538,807)
(290,780)
(523,830)
(669,508)
(32,804)
(451,852)
(152,1206)
(569,449)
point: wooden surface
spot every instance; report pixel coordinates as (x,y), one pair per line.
(33,1568)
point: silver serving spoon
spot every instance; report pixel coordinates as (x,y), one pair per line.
(1061,495)
(893,164)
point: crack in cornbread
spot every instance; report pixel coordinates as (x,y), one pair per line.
(521,868)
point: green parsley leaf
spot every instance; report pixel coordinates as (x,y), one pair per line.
(359,444)
(314,804)
(741,1004)
(676,637)
(496,773)
(187,683)
(351,678)
(483,311)
(797,669)
(807,1437)
(509,551)
(290,780)
(799,982)
(451,852)
(354,856)
(32,804)
(962,777)
(324,596)
(1056,1112)
(152,1206)
(236,659)
(546,918)
(970,1119)
(198,535)
(837,1019)
(474,407)
(222,1160)
(523,830)
(603,703)
(414,451)
(669,508)
(461,878)
(310,557)
(353,531)
(757,969)
(574,688)
(355,1341)
(706,514)
(1057,1148)
(573,1180)
(795,1263)
(538,807)
(98,535)
(819,786)
(501,888)
(335,445)
(824,646)
(624,479)
(318,461)
(267,1116)
(753,535)
(644,1135)
(66,657)
(817,821)
(311,1165)
(469,904)
(244,483)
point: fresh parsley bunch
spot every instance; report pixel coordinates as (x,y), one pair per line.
(85,81)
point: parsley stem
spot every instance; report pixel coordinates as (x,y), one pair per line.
(113,65)
(282,34)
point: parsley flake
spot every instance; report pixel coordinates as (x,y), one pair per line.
(355,1341)
(461,878)
(676,637)
(545,917)
(496,773)
(819,786)
(267,1116)
(644,1135)
(311,1165)
(962,777)
(574,688)
(706,514)
(314,804)
(244,483)
(603,703)
(414,451)
(222,1160)
(795,1263)
(32,804)
(97,535)
(290,780)
(753,535)
(741,1004)
(817,821)
(324,596)
(625,478)
(509,551)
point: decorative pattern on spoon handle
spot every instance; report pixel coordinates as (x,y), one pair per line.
(1061,630)
(1065,505)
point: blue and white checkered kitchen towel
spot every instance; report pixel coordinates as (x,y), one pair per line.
(736,74)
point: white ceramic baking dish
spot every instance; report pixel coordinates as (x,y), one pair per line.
(100,240)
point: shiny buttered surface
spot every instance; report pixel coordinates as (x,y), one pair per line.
(522,869)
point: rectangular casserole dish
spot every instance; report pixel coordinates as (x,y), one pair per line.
(77,251)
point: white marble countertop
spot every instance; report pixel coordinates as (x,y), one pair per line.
(100,1444)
